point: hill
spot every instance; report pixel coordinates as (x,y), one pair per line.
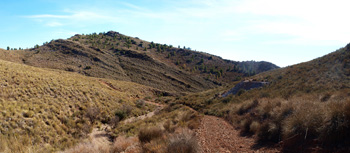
(304,108)
(115,56)
(325,74)
(54,95)
(49,110)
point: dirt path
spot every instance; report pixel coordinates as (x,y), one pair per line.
(109,85)
(100,137)
(216,135)
(150,114)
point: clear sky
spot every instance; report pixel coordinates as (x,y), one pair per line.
(284,32)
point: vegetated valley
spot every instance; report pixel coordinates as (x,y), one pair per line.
(109,92)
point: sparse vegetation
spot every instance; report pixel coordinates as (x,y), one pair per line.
(301,108)
(102,55)
(55,108)
(47,110)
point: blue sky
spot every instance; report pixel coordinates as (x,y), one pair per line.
(282,32)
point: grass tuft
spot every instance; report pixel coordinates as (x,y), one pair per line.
(148,134)
(184,142)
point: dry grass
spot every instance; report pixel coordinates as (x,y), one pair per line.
(125,144)
(183,142)
(52,107)
(335,129)
(120,144)
(89,148)
(147,134)
(304,105)
(154,133)
(298,121)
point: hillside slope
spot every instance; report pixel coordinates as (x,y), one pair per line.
(50,108)
(325,74)
(304,108)
(115,56)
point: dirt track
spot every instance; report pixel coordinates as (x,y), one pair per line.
(216,135)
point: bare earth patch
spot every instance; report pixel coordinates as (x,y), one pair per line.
(100,137)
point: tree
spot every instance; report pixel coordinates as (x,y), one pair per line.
(8,47)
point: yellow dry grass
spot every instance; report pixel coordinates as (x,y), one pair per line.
(45,109)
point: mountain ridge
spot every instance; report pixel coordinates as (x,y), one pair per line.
(116,56)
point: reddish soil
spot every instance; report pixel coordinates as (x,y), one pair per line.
(216,135)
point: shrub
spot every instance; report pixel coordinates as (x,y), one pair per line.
(92,113)
(168,126)
(305,121)
(148,134)
(246,107)
(87,68)
(188,116)
(254,127)
(155,146)
(122,143)
(240,92)
(194,124)
(245,125)
(123,112)
(269,132)
(226,100)
(140,103)
(302,125)
(114,121)
(184,142)
(337,123)
(89,148)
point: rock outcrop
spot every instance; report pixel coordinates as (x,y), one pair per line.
(246,85)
